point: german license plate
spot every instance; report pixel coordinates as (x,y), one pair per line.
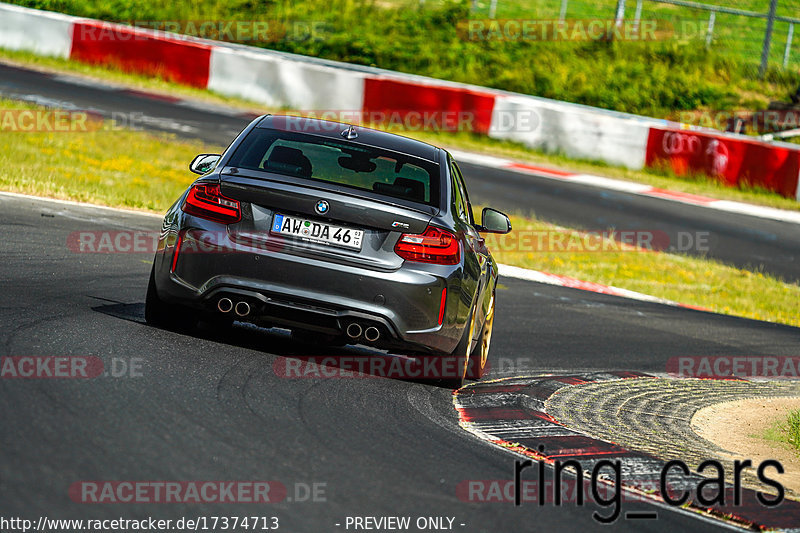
(320,232)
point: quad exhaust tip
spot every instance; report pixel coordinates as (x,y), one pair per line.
(225,305)
(372,334)
(242,308)
(354,330)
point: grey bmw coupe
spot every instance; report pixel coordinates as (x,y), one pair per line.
(342,234)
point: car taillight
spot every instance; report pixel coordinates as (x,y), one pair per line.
(206,201)
(433,246)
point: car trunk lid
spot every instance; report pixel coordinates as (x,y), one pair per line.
(382,220)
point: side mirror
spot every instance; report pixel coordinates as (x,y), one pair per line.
(203,163)
(493,221)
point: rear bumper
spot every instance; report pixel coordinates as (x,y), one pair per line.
(302,292)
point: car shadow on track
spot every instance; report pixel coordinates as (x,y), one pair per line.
(296,357)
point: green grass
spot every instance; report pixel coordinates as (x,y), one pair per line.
(698,184)
(119,168)
(793,429)
(658,78)
(139,170)
(685,279)
(784,432)
(739,38)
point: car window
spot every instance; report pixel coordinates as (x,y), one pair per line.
(343,163)
(461,199)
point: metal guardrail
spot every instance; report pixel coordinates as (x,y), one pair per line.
(770,16)
(724,9)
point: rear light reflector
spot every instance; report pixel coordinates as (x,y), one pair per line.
(441,306)
(433,246)
(206,201)
(176,252)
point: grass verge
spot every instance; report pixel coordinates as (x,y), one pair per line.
(114,167)
(784,431)
(793,429)
(701,185)
(681,278)
(134,169)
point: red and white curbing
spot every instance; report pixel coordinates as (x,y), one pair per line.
(511,413)
(320,86)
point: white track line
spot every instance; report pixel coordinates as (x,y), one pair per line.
(79,204)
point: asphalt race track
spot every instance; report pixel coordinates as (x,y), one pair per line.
(741,240)
(210,406)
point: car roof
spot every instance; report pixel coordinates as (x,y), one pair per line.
(367,136)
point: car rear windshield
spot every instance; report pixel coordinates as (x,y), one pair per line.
(354,165)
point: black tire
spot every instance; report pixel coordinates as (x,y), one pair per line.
(160,314)
(459,359)
(476,366)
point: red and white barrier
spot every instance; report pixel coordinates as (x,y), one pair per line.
(573,130)
(317,86)
(734,160)
(395,95)
(135,50)
(276,81)
(40,32)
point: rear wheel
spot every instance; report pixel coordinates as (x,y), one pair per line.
(476,366)
(457,362)
(163,315)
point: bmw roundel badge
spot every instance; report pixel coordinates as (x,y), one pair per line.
(322,207)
